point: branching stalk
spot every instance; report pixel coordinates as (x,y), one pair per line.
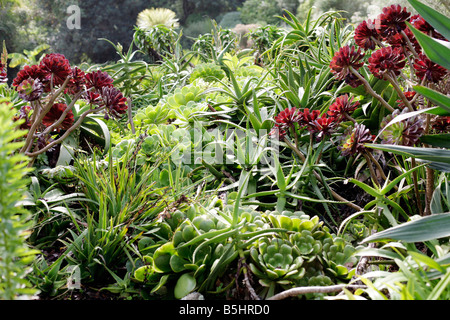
(371,91)
(314,289)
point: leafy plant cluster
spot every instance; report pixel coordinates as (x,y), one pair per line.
(316,159)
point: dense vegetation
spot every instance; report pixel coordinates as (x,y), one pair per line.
(307,159)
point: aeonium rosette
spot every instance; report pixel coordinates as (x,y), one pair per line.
(50,118)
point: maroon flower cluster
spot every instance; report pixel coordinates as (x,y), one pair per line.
(320,126)
(344,61)
(385,61)
(95,87)
(342,107)
(396,42)
(441,124)
(428,69)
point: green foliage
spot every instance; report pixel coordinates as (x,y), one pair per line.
(209,72)
(15,221)
(261,12)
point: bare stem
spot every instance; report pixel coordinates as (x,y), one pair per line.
(130,116)
(370,90)
(65,135)
(314,289)
(372,172)
(374,161)
(42,112)
(400,93)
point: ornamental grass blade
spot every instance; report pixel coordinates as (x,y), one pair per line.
(438,98)
(424,229)
(437,51)
(428,154)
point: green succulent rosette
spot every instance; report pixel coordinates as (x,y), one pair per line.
(209,72)
(275,262)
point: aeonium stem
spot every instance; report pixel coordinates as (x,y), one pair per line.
(372,172)
(370,90)
(63,115)
(399,91)
(409,44)
(66,134)
(38,120)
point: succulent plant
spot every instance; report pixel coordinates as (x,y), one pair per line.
(405,132)
(338,257)
(209,72)
(152,115)
(181,96)
(275,262)
(306,244)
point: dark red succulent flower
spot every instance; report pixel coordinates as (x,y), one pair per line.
(92,98)
(392,20)
(385,60)
(420,24)
(366,36)
(397,40)
(98,80)
(322,126)
(114,101)
(426,68)
(55,113)
(278,132)
(354,140)
(441,124)
(77,81)
(30,89)
(345,58)
(308,116)
(56,66)
(409,95)
(288,117)
(33,72)
(343,105)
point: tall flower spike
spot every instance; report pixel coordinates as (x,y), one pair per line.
(343,105)
(426,68)
(392,20)
(366,36)
(3,76)
(385,60)
(343,59)
(354,139)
